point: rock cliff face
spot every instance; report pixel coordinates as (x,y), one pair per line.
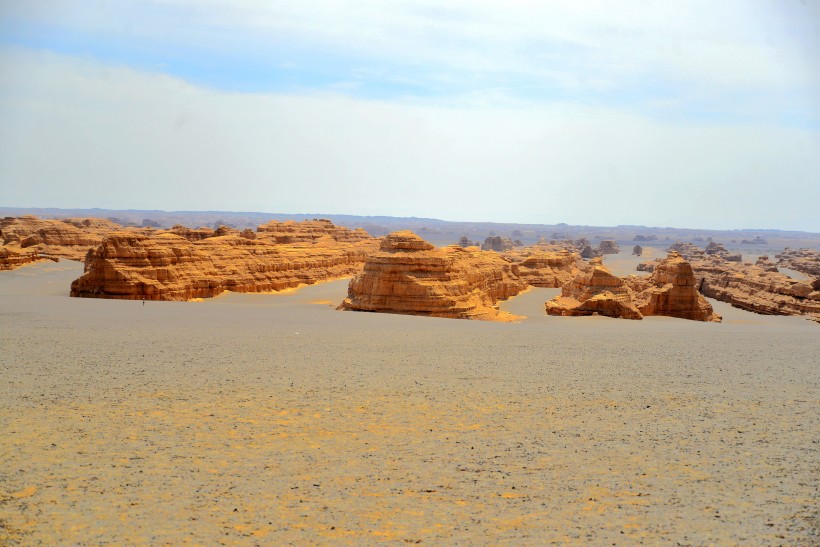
(29,239)
(168,266)
(551,269)
(802,260)
(758,288)
(596,292)
(671,291)
(753,288)
(410,276)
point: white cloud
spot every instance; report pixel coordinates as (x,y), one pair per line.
(77,133)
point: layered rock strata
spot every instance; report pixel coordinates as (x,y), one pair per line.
(806,261)
(595,292)
(168,266)
(551,269)
(758,288)
(410,276)
(28,239)
(670,291)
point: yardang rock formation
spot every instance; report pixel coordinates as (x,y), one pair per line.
(410,276)
(167,266)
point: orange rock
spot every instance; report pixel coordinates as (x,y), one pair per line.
(551,270)
(166,266)
(410,276)
(671,291)
(28,238)
(597,291)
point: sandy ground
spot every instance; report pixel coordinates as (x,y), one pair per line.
(271,419)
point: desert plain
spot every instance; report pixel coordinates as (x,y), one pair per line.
(275,419)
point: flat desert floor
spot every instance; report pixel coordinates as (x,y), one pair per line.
(270,419)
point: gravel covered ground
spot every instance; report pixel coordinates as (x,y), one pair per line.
(274,418)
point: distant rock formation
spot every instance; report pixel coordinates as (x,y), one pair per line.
(608,247)
(595,292)
(758,288)
(640,237)
(718,249)
(764,262)
(167,266)
(756,241)
(806,261)
(410,276)
(498,244)
(637,250)
(588,252)
(671,291)
(647,266)
(753,288)
(464,241)
(28,239)
(551,269)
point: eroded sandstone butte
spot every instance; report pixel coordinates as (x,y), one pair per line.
(670,291)
(550,269)
(752,287)
(29,239)
(410,276)
(595,292)
(169,266)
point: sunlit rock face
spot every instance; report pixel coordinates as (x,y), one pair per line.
(168,266)
(410,276)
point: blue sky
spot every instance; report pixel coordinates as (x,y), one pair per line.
(580,112)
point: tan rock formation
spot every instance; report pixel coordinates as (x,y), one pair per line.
(608,247)
(498,244)
(671,291)
(755,289)
(596,292)
(806,261)
(29,239)
(410,276)
(637,250)
(167,266)
(551,269)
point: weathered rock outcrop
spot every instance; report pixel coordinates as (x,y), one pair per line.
(28,239)
(637,250)
(551,269)
(608,247)
(806,261)
(410,276)
(596,292)
(167,266)
(717,249)
(498,244)
(671,291)
(753,287)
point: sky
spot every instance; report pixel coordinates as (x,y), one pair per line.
(696,114)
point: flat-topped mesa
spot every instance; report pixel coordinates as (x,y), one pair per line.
(167,266)
(29,239)
(671,291)
(410,276)
(594,292)
(310,231)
